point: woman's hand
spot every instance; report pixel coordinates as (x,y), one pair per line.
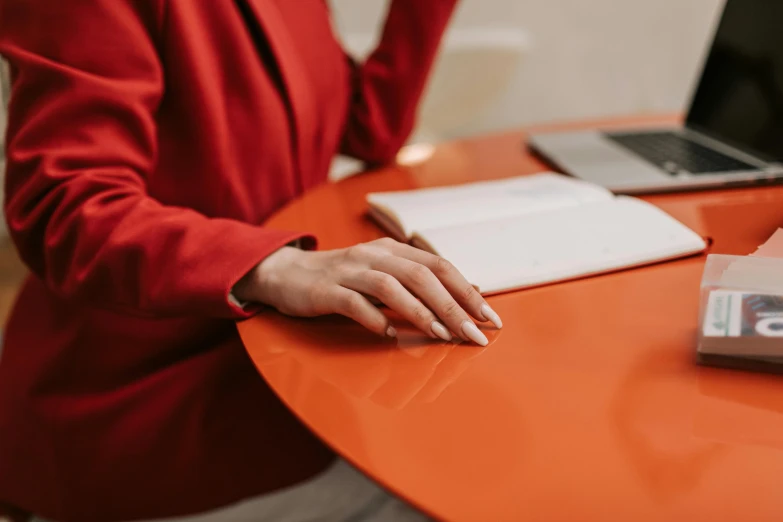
(425,289)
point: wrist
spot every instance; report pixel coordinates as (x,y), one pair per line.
(256,285)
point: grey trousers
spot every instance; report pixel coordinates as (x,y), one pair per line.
(339,494)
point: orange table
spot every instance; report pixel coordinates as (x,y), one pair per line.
(586,406)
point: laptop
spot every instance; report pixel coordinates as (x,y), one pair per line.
(733,133)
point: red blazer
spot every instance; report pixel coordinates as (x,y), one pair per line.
(148,141)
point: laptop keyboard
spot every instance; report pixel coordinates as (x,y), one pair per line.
(675,153)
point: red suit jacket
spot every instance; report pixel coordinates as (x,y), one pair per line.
(148,141)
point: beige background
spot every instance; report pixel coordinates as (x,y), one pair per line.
(586,57)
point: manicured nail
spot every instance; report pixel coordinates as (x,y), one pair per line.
(391,331)
(472,332)
(441,331)
(491,316)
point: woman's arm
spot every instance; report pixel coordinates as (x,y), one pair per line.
(87,82)
(81,143)
(388,85)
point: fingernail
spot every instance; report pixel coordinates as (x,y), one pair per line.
(441,331)
(491,316)
(391,331)
(472,332)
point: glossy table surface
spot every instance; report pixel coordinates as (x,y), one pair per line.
(586,406)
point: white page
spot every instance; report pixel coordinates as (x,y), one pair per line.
(486,200)
(535,249)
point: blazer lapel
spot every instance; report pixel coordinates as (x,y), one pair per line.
(296,85)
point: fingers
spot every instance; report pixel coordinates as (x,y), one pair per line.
(420,280)
(393,294)
(346,302)
(451,278)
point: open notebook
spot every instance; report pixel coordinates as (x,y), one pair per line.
(532,230)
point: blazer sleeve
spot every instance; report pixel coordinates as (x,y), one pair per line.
(86,83)
(388,85)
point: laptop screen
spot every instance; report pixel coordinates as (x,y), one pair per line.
(739,99)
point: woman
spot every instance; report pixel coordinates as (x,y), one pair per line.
(147,142)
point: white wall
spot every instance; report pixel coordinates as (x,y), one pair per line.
(588,57)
